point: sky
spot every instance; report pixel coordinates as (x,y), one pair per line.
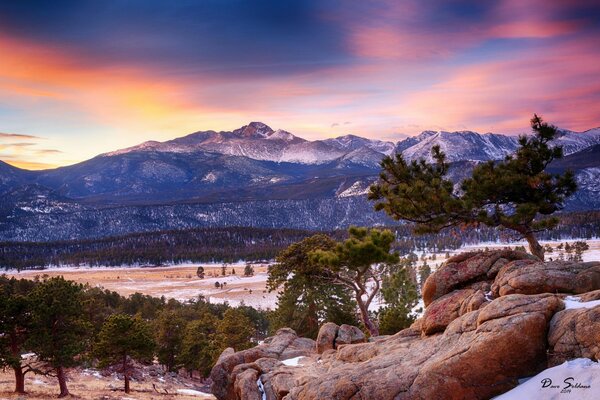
(79,78)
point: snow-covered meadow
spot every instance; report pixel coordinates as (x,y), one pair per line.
(180,281)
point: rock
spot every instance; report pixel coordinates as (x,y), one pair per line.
(551,277)
(450,306)
(590,296)
(467,345)
(226,353)
(326,337)
(246,386)
(348,334)
(466,268)
(574,333)
(481,354)
(285,344)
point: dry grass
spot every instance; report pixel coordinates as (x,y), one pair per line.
(84,385)
(179,282)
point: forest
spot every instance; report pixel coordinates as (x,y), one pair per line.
(253,244)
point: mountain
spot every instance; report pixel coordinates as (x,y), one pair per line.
(457,146)
(251,176)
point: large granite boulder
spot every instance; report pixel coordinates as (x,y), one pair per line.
(466,268)
(326,337)
(481,354)
(450,306)
(551,277)
(575,333)
(348,334)
(470,343)
(284,345)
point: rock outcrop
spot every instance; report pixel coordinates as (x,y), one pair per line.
(574,333)
(550,277)
(487,323)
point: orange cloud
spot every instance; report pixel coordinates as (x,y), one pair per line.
(502,95)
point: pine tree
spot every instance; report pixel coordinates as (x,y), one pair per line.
(15,327)
(359,263)
(399,291)
(59,332)
(248,270)
(235,330)
(199,346)
(306,300)
(511,193)
(123,337)
(424,272)
(169,328)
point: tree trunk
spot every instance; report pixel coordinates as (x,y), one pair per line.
(19,379)
(364,315)
(534,246)
(62,382)
(126,374)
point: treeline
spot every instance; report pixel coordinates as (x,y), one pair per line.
(155,248)
(64,324)
(252,244)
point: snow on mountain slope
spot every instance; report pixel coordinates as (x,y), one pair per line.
(572,142)
(458,146)
(353,142)
(258,141)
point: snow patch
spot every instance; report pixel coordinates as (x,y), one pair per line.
(572,302)
(191,392)
(292,362)
(576,379)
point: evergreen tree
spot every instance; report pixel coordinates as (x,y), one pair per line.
(579,248)
(306,300)
(248,270)
(123,337)
(199,346)
(15,326)
(424,272)
(235,330)
(169,328)
(399,291)
(359,263)
(511,193)
(59,332)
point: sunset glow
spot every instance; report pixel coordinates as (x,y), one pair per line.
(82,78)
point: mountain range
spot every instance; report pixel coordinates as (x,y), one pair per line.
(252,176)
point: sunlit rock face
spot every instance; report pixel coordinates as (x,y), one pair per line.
(473,341)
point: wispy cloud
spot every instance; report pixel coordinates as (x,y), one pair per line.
(4,135)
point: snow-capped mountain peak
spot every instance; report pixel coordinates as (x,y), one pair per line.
(254,129)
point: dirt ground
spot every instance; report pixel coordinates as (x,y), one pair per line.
(89,384)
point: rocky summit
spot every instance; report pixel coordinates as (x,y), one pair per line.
(491,318)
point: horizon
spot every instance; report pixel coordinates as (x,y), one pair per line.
(85,78)
(395,142)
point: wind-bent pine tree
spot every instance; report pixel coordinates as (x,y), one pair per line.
(360,263)
(512,193)
(306,300)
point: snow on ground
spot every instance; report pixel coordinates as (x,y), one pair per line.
(292,362)
(572,302)
(191,392)
(181,283)
(576,379)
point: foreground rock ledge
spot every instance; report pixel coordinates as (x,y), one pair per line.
(472,343)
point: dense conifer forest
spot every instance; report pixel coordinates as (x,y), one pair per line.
(251,244)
